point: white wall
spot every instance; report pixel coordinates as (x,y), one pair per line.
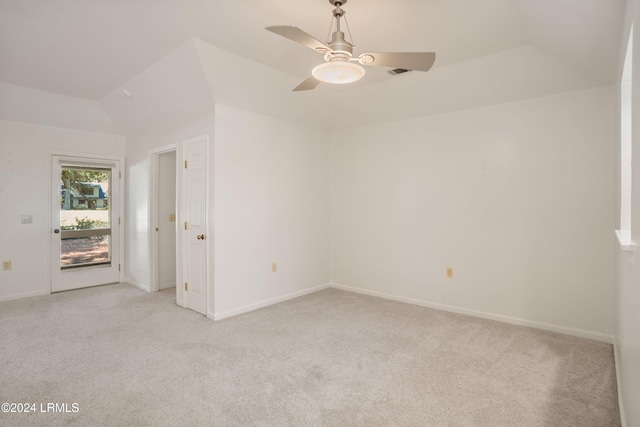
(27,105)
(25,189)
(518,198)
(628,263)
(271,205)
(167,220)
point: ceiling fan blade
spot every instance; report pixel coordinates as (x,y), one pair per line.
(297,35)
(308,84)
(419,61)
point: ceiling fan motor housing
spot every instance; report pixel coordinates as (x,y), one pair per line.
(342,49)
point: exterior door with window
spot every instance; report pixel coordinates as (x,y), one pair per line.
(85,222)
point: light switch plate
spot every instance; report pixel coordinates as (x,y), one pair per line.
(26,219)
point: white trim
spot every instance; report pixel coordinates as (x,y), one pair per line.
(624,238)
(265,303)
(24,295)
(180,274)
(597,336)
(153,222)
(617,357)
(138,285)
(165,286)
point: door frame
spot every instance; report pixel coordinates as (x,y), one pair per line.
(77,156)
(181,236)
(154,156)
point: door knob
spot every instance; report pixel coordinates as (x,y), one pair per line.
(56,231)
(200,237)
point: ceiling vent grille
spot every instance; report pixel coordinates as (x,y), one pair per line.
(397,71)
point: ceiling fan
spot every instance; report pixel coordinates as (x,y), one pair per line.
(340,65)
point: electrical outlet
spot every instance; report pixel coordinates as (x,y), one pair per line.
(274,267)
(6,265)
(449,273)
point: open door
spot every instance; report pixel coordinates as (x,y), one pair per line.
(195,236)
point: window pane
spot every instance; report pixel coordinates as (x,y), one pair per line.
(84,206)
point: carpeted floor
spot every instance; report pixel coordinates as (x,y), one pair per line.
(332,358)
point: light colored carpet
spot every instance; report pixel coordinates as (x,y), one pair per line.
(332,358)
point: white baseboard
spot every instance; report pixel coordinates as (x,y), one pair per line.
(164,286)
(617,358)
(596,336)
(24,295)
(136,284)
(264,303)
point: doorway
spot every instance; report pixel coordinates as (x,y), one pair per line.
(163,212)
(179,177)
(85,222)
(166,221)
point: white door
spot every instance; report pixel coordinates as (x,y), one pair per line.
(195,223)
(85,222)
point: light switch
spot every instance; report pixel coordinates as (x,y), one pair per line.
(172,218)
(26,219)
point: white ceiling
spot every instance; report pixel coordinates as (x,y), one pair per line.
(487,51)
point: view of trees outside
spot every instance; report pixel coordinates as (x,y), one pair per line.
(84,205)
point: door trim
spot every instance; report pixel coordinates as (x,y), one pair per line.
(78,156)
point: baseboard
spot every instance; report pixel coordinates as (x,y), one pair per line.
(596,336)
(164,286)
(24,295)
(264,303)
(617,357)
(136,284)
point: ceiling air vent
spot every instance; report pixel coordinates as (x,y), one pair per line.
(397,71)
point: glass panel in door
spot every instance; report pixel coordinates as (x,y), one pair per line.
(85,217)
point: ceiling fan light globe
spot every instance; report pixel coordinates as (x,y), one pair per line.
(338,72)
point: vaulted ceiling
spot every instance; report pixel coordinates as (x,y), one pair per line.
(194,52)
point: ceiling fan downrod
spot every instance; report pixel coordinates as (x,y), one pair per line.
(342,50)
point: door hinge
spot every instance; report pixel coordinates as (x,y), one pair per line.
(185,225)
(119,174)
(118,267)
(186,287)
(118,220)
(185,164)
